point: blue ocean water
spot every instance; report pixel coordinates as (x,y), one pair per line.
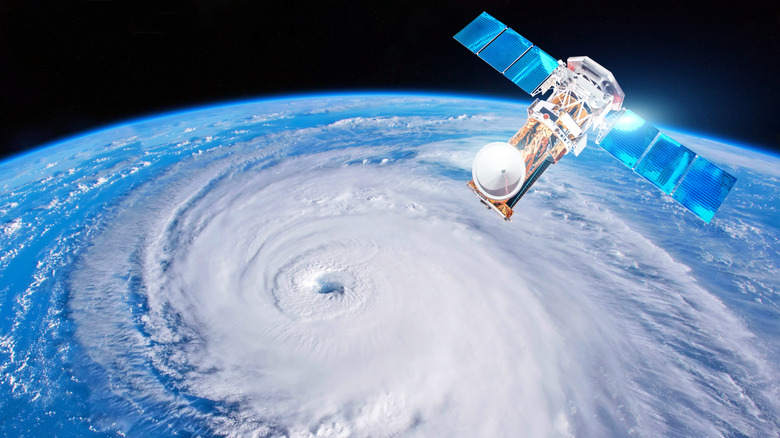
(62,313)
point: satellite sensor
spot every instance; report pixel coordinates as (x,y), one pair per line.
(584,97)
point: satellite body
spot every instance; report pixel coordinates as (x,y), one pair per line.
(582,97)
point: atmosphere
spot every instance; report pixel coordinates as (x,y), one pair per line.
(72,66)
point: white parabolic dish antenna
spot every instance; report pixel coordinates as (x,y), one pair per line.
(498,171)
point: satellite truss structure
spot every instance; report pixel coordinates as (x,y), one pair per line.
(583,97)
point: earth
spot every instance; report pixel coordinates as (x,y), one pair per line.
(316,266)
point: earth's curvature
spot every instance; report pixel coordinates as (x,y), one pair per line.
(316,266)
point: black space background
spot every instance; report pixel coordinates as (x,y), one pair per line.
(74,65)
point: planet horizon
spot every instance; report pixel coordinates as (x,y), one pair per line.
(316,266)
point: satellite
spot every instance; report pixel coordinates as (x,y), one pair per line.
(584,97)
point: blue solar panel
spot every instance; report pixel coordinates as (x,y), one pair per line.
(704,188)
(531,69)
(479,32)
(665,163)
(505,49)
(629,138)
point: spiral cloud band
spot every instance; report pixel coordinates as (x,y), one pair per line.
(318,268)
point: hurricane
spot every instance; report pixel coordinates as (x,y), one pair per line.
(316,266)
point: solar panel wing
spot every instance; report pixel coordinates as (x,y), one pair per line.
(505,49)
(531,69)
(508,52)
(629,138)
(480,32)
(704,188)
(665,163)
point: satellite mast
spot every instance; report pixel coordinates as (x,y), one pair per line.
(584,97)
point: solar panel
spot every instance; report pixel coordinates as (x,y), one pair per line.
(505,49)
(508,52)
(531,69)
(629,138)
(480,32)
(665,163)
(704,188)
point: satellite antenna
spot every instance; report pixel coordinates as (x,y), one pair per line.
(585,97)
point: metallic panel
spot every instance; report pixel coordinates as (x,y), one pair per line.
(665,163)
(479,32)
(529,182)
(505,49)
(704,188)
(531,69)
(629,138)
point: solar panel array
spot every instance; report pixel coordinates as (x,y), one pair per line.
(480,32)
(531,69)
(507,51)
(694,182)
(665,163)
(704,188)
(629,138)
